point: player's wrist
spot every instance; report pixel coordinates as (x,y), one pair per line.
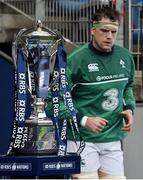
(130,111)
(129,107)
(83,121)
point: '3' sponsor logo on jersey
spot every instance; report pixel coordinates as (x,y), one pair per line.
(93,67)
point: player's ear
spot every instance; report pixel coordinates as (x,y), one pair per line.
(92,31)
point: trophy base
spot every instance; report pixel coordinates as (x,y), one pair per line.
(37,152)
(41,138)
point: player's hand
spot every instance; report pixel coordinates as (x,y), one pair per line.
(95,124)
(128,117)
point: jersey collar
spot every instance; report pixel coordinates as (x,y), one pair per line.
(93,49)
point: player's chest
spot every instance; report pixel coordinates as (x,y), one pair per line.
(98,69)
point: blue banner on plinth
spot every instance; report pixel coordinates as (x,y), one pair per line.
(39,165)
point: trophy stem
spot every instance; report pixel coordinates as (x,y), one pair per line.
(40,109)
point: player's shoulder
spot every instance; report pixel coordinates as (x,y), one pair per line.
(120,49)
(79,51)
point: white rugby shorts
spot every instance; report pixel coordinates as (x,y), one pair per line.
(105,157)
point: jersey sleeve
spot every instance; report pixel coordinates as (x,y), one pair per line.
(129,99)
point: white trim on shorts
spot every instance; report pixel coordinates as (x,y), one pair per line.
(106,157)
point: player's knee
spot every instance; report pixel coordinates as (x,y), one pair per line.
(86,175)
(113,177)
(110,177)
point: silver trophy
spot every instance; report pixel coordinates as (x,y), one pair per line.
(41,44)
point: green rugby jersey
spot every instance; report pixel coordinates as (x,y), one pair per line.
(102,86)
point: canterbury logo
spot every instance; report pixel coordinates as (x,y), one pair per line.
(93,67)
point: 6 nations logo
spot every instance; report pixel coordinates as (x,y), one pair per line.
(15,166)
(59,165)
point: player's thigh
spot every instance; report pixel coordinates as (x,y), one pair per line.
(111,159)
(89,156)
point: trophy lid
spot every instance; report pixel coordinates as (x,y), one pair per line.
(41,33)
